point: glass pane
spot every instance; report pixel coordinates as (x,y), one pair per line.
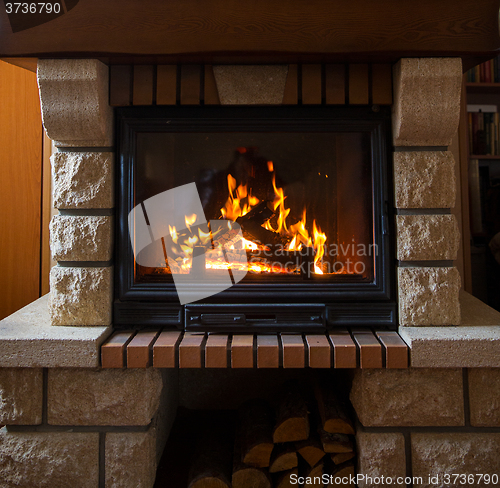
(303,203)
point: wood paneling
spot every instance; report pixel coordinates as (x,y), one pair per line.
(268,351)
(335,84)
(382,84)
(242,351)
(142,93)
(318,350)
(165,349)
(216,351)
(190,350)
(395,349)
(293,351)
(311,84)
(370,349)
(120,86)
(166,84)
(150,85)
(344,349)
(139,349)
(191,27)
(20,188)
(190,84)
(113,351)
(359,86)
(271,350)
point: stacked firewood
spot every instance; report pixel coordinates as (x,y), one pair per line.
(277,447)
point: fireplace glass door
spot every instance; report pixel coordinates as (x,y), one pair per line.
(281,204)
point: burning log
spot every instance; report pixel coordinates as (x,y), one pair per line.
(292,421)
(333,417)
(311,449)
(336,443)
(211,467)
(283,458)
(245,476)
(251,225)
(256,433)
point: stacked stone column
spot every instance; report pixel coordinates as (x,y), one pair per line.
(78,118)
(426,113)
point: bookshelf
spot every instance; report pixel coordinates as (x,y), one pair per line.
(482,120)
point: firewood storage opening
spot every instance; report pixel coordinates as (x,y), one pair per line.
(287,205)
(277,430)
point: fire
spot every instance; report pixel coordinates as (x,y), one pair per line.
(235,206)
(173,233)
(240,202)
(319,239)
(295,235)
(190,220)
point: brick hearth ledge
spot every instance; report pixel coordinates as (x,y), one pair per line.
(27,340)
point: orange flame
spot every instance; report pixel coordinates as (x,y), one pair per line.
(234,206)
(319,240)
(240,202)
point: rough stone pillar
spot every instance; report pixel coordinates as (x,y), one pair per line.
(77,117)
(426,113)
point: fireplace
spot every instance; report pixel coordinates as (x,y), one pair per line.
(292,201)
(73,418)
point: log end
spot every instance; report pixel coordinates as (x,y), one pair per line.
(251,477)
(292,430)
(286,461)
(338,426)
(311,454)
(259,456)
(209,482)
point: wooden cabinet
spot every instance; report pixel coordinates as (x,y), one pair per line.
(24,256)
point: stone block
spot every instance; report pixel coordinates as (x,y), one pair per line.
(426,108)
(80,296)
(380,454)
(28,340)
(103,396)
(408,397)
(429,296)
(49,459)
(484,397)
(427,237)
(83,180)
(21,391)
(130,459)
(251,85)
(447,453)
(81,238)
(74,97)
(424,179)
